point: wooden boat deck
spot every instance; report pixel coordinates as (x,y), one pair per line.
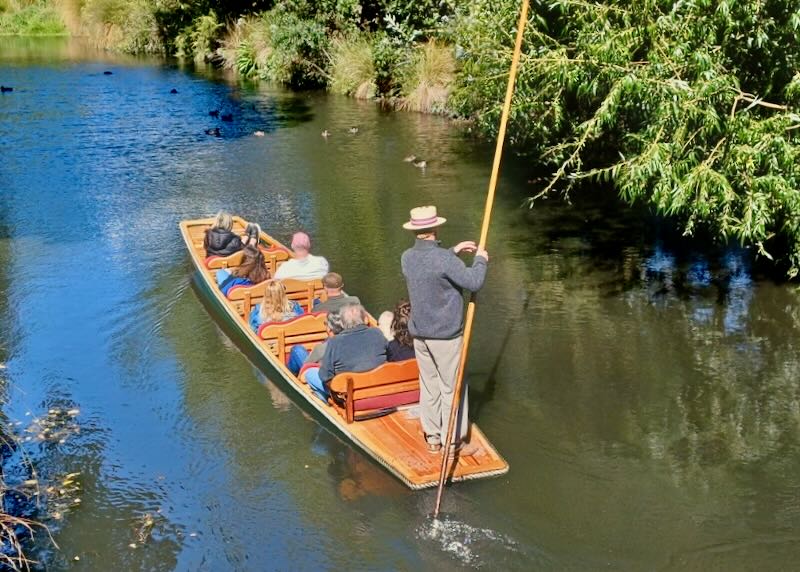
(394,440)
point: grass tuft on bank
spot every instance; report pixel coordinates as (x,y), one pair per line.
(352,69)
(427,78)
(34,18)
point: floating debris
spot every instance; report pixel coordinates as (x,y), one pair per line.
(56,426)
(145,529)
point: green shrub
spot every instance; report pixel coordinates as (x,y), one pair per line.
(351,67)
(297,49)
(204,35)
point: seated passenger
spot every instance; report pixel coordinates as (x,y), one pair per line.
(299,355)
(220,240)
(304,265)
(336,298)
(275,307)
(402,346)
(252,270)
(357,348)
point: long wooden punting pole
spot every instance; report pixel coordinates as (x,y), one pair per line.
(487,217)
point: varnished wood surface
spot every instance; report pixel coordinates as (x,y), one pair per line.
(394,440)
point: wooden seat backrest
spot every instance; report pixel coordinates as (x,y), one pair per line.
(304,292)
(306,330)
(274,256)
(245,297)
(389,378)
(230,261)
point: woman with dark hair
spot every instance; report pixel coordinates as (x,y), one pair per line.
(252,270)
(402,346)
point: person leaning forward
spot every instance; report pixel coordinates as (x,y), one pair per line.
(436,277)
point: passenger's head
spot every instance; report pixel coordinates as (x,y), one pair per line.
(223,221)
(301,243)
(253,266)
(275,304)
(334,322)
(353,315)
(400,323)
(333,283)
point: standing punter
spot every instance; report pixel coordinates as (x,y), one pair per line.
(435,277)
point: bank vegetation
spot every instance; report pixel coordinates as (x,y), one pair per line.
(690,107)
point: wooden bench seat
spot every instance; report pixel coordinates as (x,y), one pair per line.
(307,330)
(382,389)
(274,256)
(245,297)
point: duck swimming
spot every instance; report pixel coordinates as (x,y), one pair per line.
(227,117)
(353,130)
(420,164)
(410,158)
(258,133)
(214,113)
(214,132)
(173,91)
(5,89)
(326,134)
(107,72)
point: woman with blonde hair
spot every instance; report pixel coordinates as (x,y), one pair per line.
(220,240)
(275,307)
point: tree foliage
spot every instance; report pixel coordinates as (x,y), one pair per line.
(688,105)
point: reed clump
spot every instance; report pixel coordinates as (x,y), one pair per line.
(122,26)
(427,77)
(352,68)
(30,18)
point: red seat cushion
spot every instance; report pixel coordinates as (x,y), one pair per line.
(385,401)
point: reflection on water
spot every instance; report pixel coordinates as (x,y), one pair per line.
(644,389)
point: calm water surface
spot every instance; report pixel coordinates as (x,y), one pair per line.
(646,394)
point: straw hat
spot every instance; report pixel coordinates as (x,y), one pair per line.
(423,218)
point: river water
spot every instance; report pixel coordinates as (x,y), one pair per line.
(645,391)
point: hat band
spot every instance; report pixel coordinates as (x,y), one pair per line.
(424,221)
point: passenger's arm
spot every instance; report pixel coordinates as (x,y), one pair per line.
(326,372)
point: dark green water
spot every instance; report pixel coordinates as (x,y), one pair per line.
(646,392)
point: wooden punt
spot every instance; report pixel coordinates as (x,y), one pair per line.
(393,439)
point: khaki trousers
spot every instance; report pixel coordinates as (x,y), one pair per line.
(438,366)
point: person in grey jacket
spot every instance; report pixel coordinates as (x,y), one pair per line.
(356,348)
(436,278)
